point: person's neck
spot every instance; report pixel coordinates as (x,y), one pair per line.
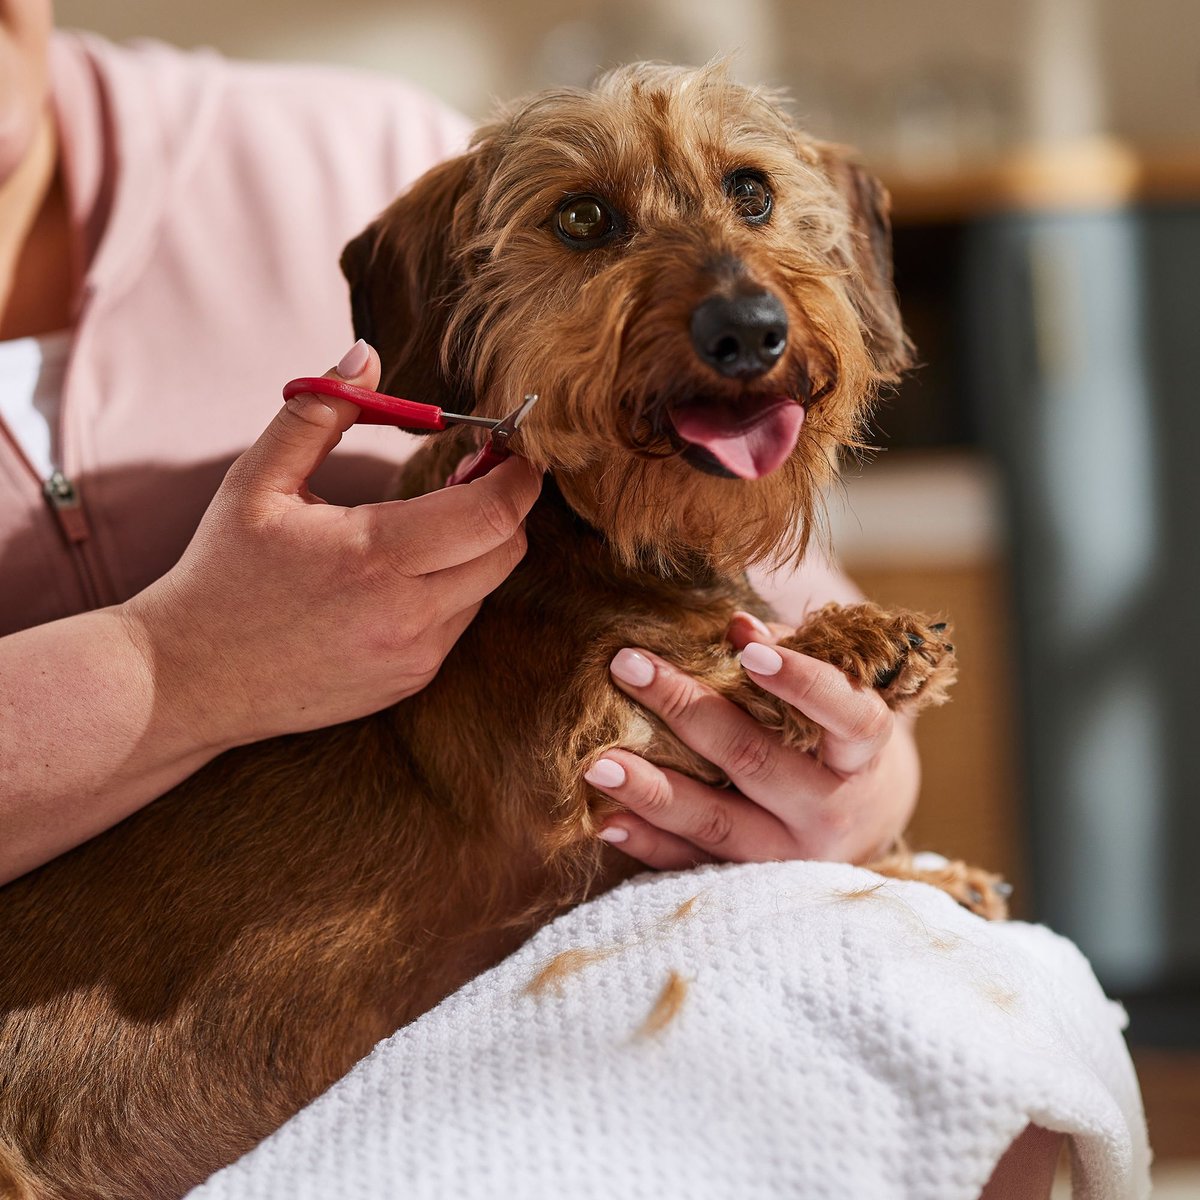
(35,272)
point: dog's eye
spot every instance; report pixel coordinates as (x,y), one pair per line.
(750,195)
(584,221)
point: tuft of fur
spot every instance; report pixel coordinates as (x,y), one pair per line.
(562,966)
(667,1007)
(176,988)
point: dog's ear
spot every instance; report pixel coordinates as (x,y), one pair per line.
(404,271)
(871,288)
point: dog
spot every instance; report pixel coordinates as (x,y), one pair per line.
(702,296)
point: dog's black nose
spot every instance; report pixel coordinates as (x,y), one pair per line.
(740,336)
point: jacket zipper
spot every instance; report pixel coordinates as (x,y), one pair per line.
(65,502)
(63,498)
(60,491)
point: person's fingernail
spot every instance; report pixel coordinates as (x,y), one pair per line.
(605,773)
(614,833)
(632,668)
(354,360)
(759,627)
(760,659)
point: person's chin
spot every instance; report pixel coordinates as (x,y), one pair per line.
(19,123)
(23,95)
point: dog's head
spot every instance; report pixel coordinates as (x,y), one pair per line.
(700,294)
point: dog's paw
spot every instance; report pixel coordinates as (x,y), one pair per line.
(983,892)
(907,657)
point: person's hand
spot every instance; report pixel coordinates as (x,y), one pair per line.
(782,804)
(287,613)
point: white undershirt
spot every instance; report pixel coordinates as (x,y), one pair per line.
(31,380)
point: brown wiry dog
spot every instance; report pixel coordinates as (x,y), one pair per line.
(702,297)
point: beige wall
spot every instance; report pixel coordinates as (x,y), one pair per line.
(903,79)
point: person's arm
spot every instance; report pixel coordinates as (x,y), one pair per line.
(284,614)
(850,806)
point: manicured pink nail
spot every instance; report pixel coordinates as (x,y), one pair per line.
(605,773)
(354,360)
(613,834)
(758,626)
(632,668)
(760,659)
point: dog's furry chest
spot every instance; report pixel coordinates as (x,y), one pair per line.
(540,648)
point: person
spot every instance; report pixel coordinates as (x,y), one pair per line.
(170,226)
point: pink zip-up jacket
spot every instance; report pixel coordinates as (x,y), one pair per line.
(210,201)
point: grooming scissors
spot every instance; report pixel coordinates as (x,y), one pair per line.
(381,409)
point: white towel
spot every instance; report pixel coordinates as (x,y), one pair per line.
(830,1041)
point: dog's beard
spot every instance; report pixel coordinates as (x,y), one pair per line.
(610,432)
(660,510)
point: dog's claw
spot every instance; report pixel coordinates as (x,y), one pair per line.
(886,678)
(939,627)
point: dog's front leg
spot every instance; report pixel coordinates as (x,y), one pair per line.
(906,657)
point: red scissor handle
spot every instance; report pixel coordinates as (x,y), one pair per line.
(476,468)
(378,408)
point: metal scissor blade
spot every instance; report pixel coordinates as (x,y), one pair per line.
(469,419)
(495,449)
(510,424)
(505,427)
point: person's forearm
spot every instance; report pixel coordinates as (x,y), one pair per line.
(86,736)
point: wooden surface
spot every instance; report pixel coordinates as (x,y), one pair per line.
(969,806)
(1088,174)
(1170,1082)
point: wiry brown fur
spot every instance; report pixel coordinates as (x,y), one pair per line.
(177,987)
(512,311)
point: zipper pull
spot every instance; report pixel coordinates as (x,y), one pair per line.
(63,497)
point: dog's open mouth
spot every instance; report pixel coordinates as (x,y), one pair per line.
(745,438)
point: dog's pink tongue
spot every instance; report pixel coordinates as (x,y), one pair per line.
(749,448)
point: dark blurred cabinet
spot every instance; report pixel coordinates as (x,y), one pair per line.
(1059,326)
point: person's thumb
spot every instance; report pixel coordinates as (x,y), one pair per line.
(307,428)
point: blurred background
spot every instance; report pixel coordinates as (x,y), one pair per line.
(1036,479)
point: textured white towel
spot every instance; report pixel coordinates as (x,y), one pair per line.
(830,1044)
